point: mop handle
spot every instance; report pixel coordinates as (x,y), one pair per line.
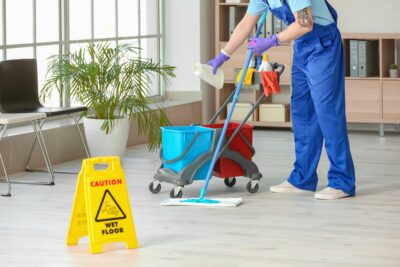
(229,115)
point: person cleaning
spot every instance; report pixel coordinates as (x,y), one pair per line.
(318,90)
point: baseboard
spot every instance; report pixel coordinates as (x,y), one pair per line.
(370,127)
(63,142)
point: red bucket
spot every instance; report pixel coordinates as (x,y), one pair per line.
(225,168)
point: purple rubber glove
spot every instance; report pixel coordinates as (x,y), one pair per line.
(218,61)
(260,45)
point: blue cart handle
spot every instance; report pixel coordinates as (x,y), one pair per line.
(181,156)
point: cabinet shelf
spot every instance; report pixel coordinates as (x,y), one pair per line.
(391,79)
(266,124)
(363,78)
(282,84)
(272,124)
(373,99)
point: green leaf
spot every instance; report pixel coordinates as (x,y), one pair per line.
(113,83)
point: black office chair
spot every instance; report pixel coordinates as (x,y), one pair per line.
(19,94)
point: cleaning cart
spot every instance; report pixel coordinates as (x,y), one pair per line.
(187,151)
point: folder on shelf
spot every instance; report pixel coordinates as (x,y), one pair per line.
(235,16)
(269,25)
(368,62)
(264,32)
(277,25)
(283,26)
(354,58)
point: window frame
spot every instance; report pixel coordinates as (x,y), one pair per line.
(64,41)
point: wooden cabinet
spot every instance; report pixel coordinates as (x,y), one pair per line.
(373,99)
(363,100)
(368,100)
(236,61)
(391,99)
(281,54)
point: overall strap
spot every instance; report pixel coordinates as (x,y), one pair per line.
(267,3)
(290,18)
(333,11)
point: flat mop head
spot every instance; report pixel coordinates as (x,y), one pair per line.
(216,202)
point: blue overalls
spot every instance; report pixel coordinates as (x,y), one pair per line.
(318,105)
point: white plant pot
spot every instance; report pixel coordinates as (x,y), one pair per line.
(102,144)
(394,73)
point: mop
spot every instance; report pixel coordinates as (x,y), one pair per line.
(219,202)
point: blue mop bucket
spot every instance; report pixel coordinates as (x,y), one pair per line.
(181,145)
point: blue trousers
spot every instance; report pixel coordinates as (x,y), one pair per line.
(318,110)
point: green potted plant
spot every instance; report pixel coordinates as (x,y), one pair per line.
(394,71)
(114,83)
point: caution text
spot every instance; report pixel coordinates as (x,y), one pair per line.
(106,182)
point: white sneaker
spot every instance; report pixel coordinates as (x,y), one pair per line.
(285,187)
(330,193)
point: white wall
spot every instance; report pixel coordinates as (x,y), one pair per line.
(182,42)
(189,38)
(367,16)
(371,16)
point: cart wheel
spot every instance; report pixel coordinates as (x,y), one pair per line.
(154,190)
(230,182)
(252,189)
(174,194)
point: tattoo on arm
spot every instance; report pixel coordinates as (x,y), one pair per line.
(304,17)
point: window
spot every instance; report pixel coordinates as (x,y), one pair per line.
(32,29)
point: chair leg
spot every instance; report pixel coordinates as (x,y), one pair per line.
(82,137)
(39,135)
(8,194)
(32,148)
(40,125)
(40,140)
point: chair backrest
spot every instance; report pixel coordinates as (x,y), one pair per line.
(19,86)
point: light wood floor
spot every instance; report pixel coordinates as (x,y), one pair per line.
(267,230)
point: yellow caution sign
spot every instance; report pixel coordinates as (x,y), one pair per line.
(101,206)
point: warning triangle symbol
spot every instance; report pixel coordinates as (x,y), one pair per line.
(109,209)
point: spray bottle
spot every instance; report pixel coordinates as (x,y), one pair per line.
(204,72)
(265,65)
